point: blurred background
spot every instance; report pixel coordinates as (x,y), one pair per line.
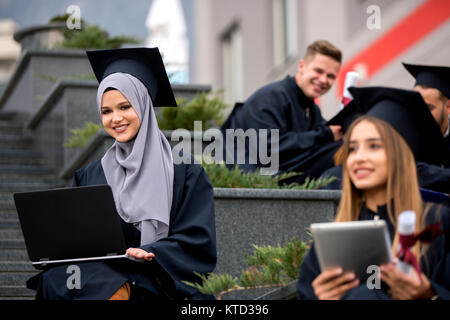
(240,45)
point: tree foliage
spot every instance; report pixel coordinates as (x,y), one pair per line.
(203,107)
(90,36)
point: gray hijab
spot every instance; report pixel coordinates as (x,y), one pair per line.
(140,171)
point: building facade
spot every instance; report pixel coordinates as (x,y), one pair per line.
(241,45)
(10,50)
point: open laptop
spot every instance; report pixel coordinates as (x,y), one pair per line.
(353,246)
(67,225)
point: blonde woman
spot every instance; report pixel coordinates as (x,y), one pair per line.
(380,181)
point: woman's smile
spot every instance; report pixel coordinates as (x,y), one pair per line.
(121,128)
(361,173)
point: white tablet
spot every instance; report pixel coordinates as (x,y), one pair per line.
(353,246)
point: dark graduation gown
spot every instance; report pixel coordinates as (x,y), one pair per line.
(447,141)
(435,263)
(190,246)
(306,143)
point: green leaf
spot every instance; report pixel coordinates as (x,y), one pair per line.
(213,283)
(222,177)
(203,107)
(90,36)
(80,137)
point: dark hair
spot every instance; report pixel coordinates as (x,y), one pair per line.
(323,47)
(442,96)
(109,89)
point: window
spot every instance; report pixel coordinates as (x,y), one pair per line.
(233,65)
(284,30)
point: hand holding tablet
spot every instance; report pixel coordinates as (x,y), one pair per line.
(352,246)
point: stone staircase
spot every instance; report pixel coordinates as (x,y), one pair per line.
(21,169)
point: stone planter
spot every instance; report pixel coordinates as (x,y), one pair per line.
(40,37)
(68,105)
(247,217)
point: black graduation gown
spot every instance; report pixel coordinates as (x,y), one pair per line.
(190,246)
(430,177)
(306,143)
(447,141)
(435,263)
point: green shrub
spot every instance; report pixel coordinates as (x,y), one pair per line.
(268,267)
(208,110)
(80,137)
(222,177)
(90,37)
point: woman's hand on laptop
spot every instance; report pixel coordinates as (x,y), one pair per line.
(140,254)
(333,284)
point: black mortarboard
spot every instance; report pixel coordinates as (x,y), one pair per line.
(143,63)
(346,116)
(407,112)
(437,77)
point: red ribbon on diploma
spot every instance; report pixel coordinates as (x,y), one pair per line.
(427,235)
(345,101)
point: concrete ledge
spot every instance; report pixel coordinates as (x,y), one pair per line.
(94,150)
(32,30)
(247,217)
(273,194)
(30,88)
(288,292)
(55,93)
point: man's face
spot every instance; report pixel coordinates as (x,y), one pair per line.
(316,75)
(439,109)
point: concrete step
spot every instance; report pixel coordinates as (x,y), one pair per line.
(21,169)
(25,160)
(26,169)
(9,223)
(17,266)
(15,278)
(14,142)
(21,157)
(19,153)
(6,200)
(8,115)
(11,234)
(20,186)
(12,244)
(7,210)
(16,292)
(11,128)
(11,177)
(13,255)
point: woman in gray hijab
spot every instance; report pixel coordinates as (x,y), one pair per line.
(166,209)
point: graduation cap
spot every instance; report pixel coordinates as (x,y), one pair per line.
(408,114)
(346,116)
(437,77)
(143,63)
